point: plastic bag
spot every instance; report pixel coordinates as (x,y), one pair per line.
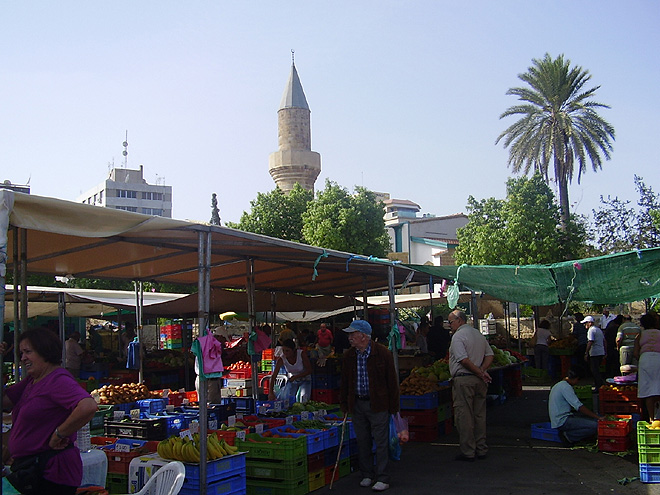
(401,426)
(395,446)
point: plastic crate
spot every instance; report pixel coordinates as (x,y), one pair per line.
(426,401)
(142,429)
(619,427)
(239,374)
(125,407)
(330,455)
(620,407)
(614,444)
(97,375)
(225,467)
(331,366)
(445,411)
(151,406)
(116,483)
(317,479)
(329,396)
(583,392)
(119,462)
(258,447)
(96,424)
(608,394)
(280,470)
(314,438)
(268,406)
(174,422)
(420,417)
(244,404)
(268,354)
(649,454)
(543,431)
(647,436)
(219,412)
(423,433)
(315,462)
(649,473)
(235,485)
(325,381)
(298,486)
(344,466)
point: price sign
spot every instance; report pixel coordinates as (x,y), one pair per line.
(194,427)
(241,435)
(323,412)
(231,421)
(289,420)
(122,447)
(118,415)
(213,424)
(259,428)
(135,414)
(185,433)
(317,415)
(305,415)
(186,402)
(166,393)
(169,408)
(239,415)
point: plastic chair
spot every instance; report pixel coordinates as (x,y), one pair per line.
(280,383)
(168,480)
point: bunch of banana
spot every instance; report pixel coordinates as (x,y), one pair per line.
(187,450)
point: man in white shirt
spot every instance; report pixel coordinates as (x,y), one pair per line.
(605,318)
(595,349)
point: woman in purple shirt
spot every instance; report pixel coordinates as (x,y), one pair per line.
(48,408)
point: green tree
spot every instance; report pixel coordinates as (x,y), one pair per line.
(519,230)
(345,222)
(619,226)
(276,214)
(559,125)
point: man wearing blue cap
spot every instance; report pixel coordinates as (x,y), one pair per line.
(370,393)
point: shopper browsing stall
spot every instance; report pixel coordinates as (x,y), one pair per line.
(298,369)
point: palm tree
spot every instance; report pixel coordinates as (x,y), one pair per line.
(559,125)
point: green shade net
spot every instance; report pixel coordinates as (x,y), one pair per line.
(611,279)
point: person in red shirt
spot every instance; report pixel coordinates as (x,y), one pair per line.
(324,336)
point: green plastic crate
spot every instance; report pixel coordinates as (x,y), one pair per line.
(96,424)
(116,483)
(275,469)
(298,486)
(649,454)
(583,392)
(646,436)
(285,449)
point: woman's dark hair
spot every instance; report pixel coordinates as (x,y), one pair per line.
(544,324)
(290,344)
(578,316)
(45,343)
(647,321)
(574,373)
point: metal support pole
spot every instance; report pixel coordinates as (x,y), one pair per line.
(365,304)
(392,307)
(61,315)
(17,324)
(203,286)
(252,321)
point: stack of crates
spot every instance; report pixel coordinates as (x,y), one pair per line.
(648,445)
(619,399)
(267,363)
(275,466)
(120,460)
(445,410)
(171,335)
(421,412)
(326,380)
(614,433)
(513,381)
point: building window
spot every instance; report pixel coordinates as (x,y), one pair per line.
(127,208)
(154,196)
(100,196)
(153,211)
(124,193)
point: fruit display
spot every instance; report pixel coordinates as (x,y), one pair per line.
(619,388)
(502,358)
(438,371)
(655,425)
(186,449)
(165,359)
(311,406)
(417,384)
(569,342)
(120,394)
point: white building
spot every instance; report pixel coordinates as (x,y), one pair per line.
(127,190)
(421,240)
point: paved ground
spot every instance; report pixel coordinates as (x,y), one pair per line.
(516,464)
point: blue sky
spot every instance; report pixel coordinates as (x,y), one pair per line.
(405,95)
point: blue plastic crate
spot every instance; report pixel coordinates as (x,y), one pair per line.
(151,406)
(236,485)
(543,431)
(325,381)
(218,469)
(649,473)
(331,437)
(175,422)
(97,375)
(125,407)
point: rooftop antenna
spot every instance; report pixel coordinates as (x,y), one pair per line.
(293,57)
(125,152)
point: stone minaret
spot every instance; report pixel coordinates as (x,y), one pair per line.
(294,161)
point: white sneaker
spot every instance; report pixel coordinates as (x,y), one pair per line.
(379,486)
(366,482)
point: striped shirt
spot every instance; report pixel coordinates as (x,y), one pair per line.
(362,385)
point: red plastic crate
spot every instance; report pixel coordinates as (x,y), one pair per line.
(192,396)
(268,354)
(606,394)
(614,428)
(620,407)
(239,374)
(119,462)
(423,433)
(420,417)
(325,395)
(614,444)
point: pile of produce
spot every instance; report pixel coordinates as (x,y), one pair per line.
(502,358)
(655,425)
(165,359)
(417,384)
(120,394)
(312,405)
(187,450)
(438,371)
(239,366)
(569,342)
